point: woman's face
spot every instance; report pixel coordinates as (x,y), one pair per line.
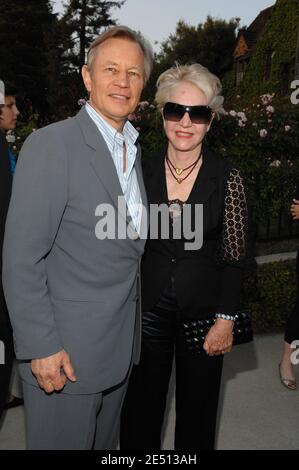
(184,136)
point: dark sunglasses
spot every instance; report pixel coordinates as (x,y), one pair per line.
(198,114)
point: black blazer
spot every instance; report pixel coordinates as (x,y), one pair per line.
(207,280)
(5,193)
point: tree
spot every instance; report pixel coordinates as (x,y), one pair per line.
(210,44)
(65,82)
(83,20)
(23,47)
(80,22)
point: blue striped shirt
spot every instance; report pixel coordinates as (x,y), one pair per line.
(115,142)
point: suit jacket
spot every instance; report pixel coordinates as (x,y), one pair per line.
(64,287)
(207,280)
(5,192)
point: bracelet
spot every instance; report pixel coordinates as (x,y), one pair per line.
(225,317)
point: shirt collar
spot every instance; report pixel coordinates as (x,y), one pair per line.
(129,134)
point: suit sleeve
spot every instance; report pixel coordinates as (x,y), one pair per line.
(39,197)
(235,251)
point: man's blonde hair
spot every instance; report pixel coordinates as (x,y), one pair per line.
(126,33)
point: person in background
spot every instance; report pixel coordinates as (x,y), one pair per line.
(8,119)
(286,371)
(179,283)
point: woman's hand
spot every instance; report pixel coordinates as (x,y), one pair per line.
(219,340)
(295,209)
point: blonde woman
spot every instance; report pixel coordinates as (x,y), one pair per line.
(179,284)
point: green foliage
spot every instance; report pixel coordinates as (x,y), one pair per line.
(228,85)
(210,44)
(65,81)
(279,37)
(262,140)
(270,294)
(23,47)
(148,122)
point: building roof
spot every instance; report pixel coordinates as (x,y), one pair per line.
(253,32)
(258,25)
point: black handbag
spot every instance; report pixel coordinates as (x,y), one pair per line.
(195,331)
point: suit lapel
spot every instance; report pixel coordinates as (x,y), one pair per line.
(101,159)
(145,212)
(140,180)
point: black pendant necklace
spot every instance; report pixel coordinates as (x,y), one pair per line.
(179,171)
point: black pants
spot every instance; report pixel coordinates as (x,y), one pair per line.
(7,342)
(198,380)
(292,328)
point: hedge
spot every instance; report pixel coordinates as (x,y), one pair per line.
(270,295)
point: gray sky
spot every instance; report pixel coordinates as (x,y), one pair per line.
(156,19)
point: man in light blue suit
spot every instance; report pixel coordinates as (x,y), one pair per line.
(72,294)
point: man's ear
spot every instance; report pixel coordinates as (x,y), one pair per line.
(86,77)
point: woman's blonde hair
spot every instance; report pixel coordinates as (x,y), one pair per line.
(200,76)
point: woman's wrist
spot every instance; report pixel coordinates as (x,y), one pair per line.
(224,316)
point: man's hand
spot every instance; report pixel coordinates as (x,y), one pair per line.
(219,339)
(295,209)
(53,372)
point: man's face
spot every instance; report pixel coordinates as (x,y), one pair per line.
(116,80)
(9,114)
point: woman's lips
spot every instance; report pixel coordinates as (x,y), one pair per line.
(183,135)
